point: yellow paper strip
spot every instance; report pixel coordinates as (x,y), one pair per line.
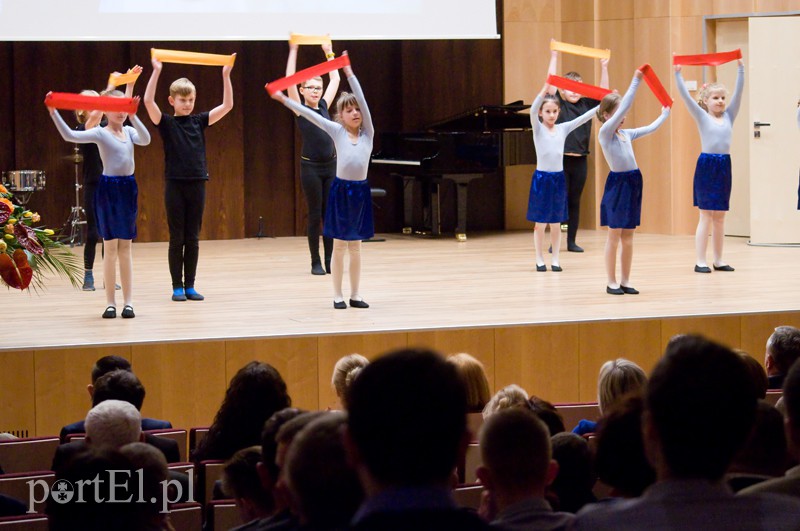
(192,58)
(299,38)
(122,79)
(584,51)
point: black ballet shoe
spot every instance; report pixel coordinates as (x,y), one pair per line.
(541,268)
(556,268)
(723,268)
(358,304)
(316,268)
(340,305)
(614,291)
(328,266)
(110,313)
(702,269)
(127,312)
(629,290)
(574,248)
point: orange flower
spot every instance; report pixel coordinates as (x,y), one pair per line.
(7,202)
(3,189)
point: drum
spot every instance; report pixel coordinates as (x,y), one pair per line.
(24,180)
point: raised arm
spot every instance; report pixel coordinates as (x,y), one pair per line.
(333,76)
(225,107)
(535,106)
(604,73)
(551,68)
(79,137)
(140,135)
(150,93)
(328,126)
(736,99)
(366,117)
(610,127)
(129,87)
(694,109)
(579,121)
(646,130)
(291,68)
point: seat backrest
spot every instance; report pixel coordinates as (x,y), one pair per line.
(71,437)
(773,395)
(223,515)
(17,486)
(474,423)
(196,435)
(27,455)
(186,516)
(472,461)
(574,413)
(468,496)
(177,435)
(210,471)
(28,522)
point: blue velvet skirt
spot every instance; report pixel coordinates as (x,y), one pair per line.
(621,207)
(348,215)
(116,207)
(712,182)
(547,201)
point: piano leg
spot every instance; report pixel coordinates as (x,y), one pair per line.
(436,215)
(461,211)
(408,204)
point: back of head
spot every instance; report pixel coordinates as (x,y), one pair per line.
(515,446)
(407,417)
(757,373)
(764,451)
(617,378)
(240,479)
(316,461)
(607,105)
(700,403)
(119,385)
(473,375)
(783,346)
(620,460)
(547,413)
(83,115)
(113,424)
(108,364)
(574,76)
(507,397)
(576,476)
(791,398)
(269,437)
(151,461)
(345,371)
(182,87)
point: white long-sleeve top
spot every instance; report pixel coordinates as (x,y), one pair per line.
(618,147)
(352,160)
(715,136)
(116,153)
(550,142)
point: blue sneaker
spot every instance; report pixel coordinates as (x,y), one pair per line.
(178,295)
(192,294)
(88,281)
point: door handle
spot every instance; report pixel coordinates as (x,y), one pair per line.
(761,124)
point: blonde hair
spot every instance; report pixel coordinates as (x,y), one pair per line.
(344,101)
(113,93)
(345,371)
(706,91)
(83,115)
(573,75)
(315,78)
(473,375)
(607,105)
(617,378)
(507,397)
(182,87)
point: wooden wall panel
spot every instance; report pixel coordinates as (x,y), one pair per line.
(476,342)
(525,10)
(185,382)
(723,329)
(577,10)
(756,329)
(294,358)
(18,407)
(775,6)
(651,9)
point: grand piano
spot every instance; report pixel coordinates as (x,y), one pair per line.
(462,148)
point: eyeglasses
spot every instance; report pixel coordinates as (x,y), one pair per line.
(313,89)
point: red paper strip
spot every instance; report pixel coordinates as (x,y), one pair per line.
(306,74)
(590,91)
(74,102)
(655,85)
(707,59)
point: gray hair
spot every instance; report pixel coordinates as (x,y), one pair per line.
(113,424)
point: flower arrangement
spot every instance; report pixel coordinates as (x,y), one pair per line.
(27,252)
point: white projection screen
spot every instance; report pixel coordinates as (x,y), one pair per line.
(197,20)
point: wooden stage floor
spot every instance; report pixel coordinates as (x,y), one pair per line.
(263,289)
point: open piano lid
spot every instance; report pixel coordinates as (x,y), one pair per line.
(486,118)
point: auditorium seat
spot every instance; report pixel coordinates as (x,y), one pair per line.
(472,460)
(186,516)
(574,413)
(29,454)
(177,435)
(773,395)
(27,522)
(207,474)
(222,515)
(468,496)
(16,486)
(474,423)
(195,436)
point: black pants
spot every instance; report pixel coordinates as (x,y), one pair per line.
(185,201)
(92,236)
(575,169)
(316,179)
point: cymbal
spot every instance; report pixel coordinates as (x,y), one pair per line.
(75,157)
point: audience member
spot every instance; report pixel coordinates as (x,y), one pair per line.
(757,373)
(548,414)
(617,377)
(153,475)
(783,349)
(517,468)
(254,394)
(406,432)
(620,460)
(344,372)
(240,481)
(507,397)
(11,506)
(473,375)
(764,455)
(699,409)
(324,488)
(572,488)
(790,483)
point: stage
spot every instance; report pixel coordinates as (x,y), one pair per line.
(547,331)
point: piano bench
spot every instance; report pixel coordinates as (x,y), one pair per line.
(376,192)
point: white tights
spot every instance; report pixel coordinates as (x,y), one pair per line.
(555,240)
(353,248)
(615,236)
(118,251)
(715,221)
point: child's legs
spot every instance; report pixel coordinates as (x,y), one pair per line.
(718,235)
(110,270)
(555,240)
(92,237)
(125,257)
(626,257)
(612,242)
(354,249)
(326,190)
(195,201)
(701,236)
(575,168)
(176,220)
(337,268)
(311,183)
(538,242)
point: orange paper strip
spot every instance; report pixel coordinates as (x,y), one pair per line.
(314,71)
(590,91)
(299,38)
(74,102)
(655,85)
(707,59)
(192,58)
(584,51)
(122,79)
